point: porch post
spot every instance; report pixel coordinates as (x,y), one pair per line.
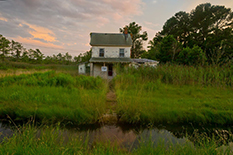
(91,69)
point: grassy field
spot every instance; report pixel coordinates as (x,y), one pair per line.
(167,94)
(8,68)
(52,97)
(175,94)
(50,140)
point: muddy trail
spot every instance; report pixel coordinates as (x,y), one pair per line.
(110,117)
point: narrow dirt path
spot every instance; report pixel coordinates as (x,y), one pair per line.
(110,117)
(111,100)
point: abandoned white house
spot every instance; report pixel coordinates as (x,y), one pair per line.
(109,49)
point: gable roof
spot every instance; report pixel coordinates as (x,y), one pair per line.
(110,39)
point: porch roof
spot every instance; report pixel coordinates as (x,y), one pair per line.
(111,60)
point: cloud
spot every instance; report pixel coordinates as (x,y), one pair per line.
(36,42)
(3,19)
(127,7)
(57,22)
(150,24)
(41,33)
(12,28)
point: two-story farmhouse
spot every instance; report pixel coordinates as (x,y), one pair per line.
(109,49)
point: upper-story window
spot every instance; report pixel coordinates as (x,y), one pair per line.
(101,52)
(122,52)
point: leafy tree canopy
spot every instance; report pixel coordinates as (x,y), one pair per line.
(207,26)
(137,38)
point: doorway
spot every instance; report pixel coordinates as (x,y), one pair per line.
(110,70)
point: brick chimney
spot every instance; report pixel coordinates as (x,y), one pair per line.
(126,33)
(125,30)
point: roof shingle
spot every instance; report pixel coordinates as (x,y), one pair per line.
(110,39)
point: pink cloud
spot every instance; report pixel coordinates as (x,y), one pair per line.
(35,43)
(127,7)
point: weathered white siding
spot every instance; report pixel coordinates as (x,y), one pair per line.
(97,71)
(110,52)
(82,68)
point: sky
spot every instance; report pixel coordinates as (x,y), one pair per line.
(60,26)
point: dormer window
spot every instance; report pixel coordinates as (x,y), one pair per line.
(122,52)
(101,52)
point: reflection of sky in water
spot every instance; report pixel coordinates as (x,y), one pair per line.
(129,139)
(162,135)
(124,136)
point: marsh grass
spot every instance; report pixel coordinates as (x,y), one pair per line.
(8,68)
(53,140)
(11,72)
(175,94)
(180,75)
(6,65)
(52,97)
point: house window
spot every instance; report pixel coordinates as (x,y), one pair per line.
(122,52)
(101,53)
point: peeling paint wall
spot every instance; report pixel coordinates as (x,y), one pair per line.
(110,52)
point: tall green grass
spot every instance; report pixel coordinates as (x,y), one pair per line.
(175,94)
(180,75)
(52,140)
(53,97)
(52,78)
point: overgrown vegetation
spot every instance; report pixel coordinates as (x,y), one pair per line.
(52,97)
(53,140)
(175,94)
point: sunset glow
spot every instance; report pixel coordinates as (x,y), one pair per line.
(55,25)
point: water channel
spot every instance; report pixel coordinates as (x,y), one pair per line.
(129,136)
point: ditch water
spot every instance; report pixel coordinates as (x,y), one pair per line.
(130,137)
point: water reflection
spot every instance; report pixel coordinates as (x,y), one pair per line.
(130,137)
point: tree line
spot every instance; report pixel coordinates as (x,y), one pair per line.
(203,36)
(14,51)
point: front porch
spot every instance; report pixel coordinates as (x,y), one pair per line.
(106,67)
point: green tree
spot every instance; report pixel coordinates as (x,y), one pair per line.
(179,27)
(85,57)
(218,56)
(137,38)
(68,58)
(16,49)
(38,56)
(191,56)
(168,49)
(153,48)
(60,58)
(25,56)
(207,26)
(4,47)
